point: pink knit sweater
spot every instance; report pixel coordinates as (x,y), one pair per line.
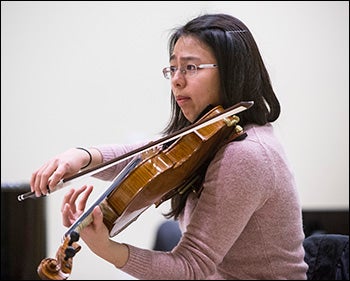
(246,224)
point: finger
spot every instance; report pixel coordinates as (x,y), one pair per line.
(44,175)
(36,179)
(32,181)
(67,216)
(97,216)
(84,198)
(66,198)
(73,198)
(57,172)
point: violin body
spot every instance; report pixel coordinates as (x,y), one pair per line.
(162,173)
(152,178)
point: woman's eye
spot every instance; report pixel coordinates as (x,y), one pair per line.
(190,67)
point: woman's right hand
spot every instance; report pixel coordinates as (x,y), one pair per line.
(62,165)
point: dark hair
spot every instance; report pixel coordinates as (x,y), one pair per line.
(243,75)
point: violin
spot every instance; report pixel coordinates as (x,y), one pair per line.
(151,177)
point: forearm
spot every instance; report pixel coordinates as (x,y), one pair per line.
(116,254)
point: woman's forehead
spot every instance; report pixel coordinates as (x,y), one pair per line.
(190,48)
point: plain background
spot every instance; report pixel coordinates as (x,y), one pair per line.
(84,73)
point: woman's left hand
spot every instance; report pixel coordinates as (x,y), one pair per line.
(70,210)
(96,234)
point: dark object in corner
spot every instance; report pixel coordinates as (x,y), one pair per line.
(327,256)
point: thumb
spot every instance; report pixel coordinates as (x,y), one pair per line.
(97,215)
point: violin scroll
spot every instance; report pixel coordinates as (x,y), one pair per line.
(61,267)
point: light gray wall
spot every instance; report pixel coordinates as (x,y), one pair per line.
(82,73)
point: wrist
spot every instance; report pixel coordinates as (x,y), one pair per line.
(89,154)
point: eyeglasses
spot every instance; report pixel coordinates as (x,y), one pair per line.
(190,69)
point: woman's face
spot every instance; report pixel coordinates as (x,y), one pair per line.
(193,93)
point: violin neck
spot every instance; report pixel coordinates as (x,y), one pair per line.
(86,218)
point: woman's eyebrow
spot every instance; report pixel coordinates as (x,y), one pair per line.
(188,58)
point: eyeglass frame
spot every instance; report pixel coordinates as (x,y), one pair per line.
(168,73)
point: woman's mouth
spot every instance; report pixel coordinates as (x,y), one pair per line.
(181,100)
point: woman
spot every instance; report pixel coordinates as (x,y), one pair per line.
(243,218)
